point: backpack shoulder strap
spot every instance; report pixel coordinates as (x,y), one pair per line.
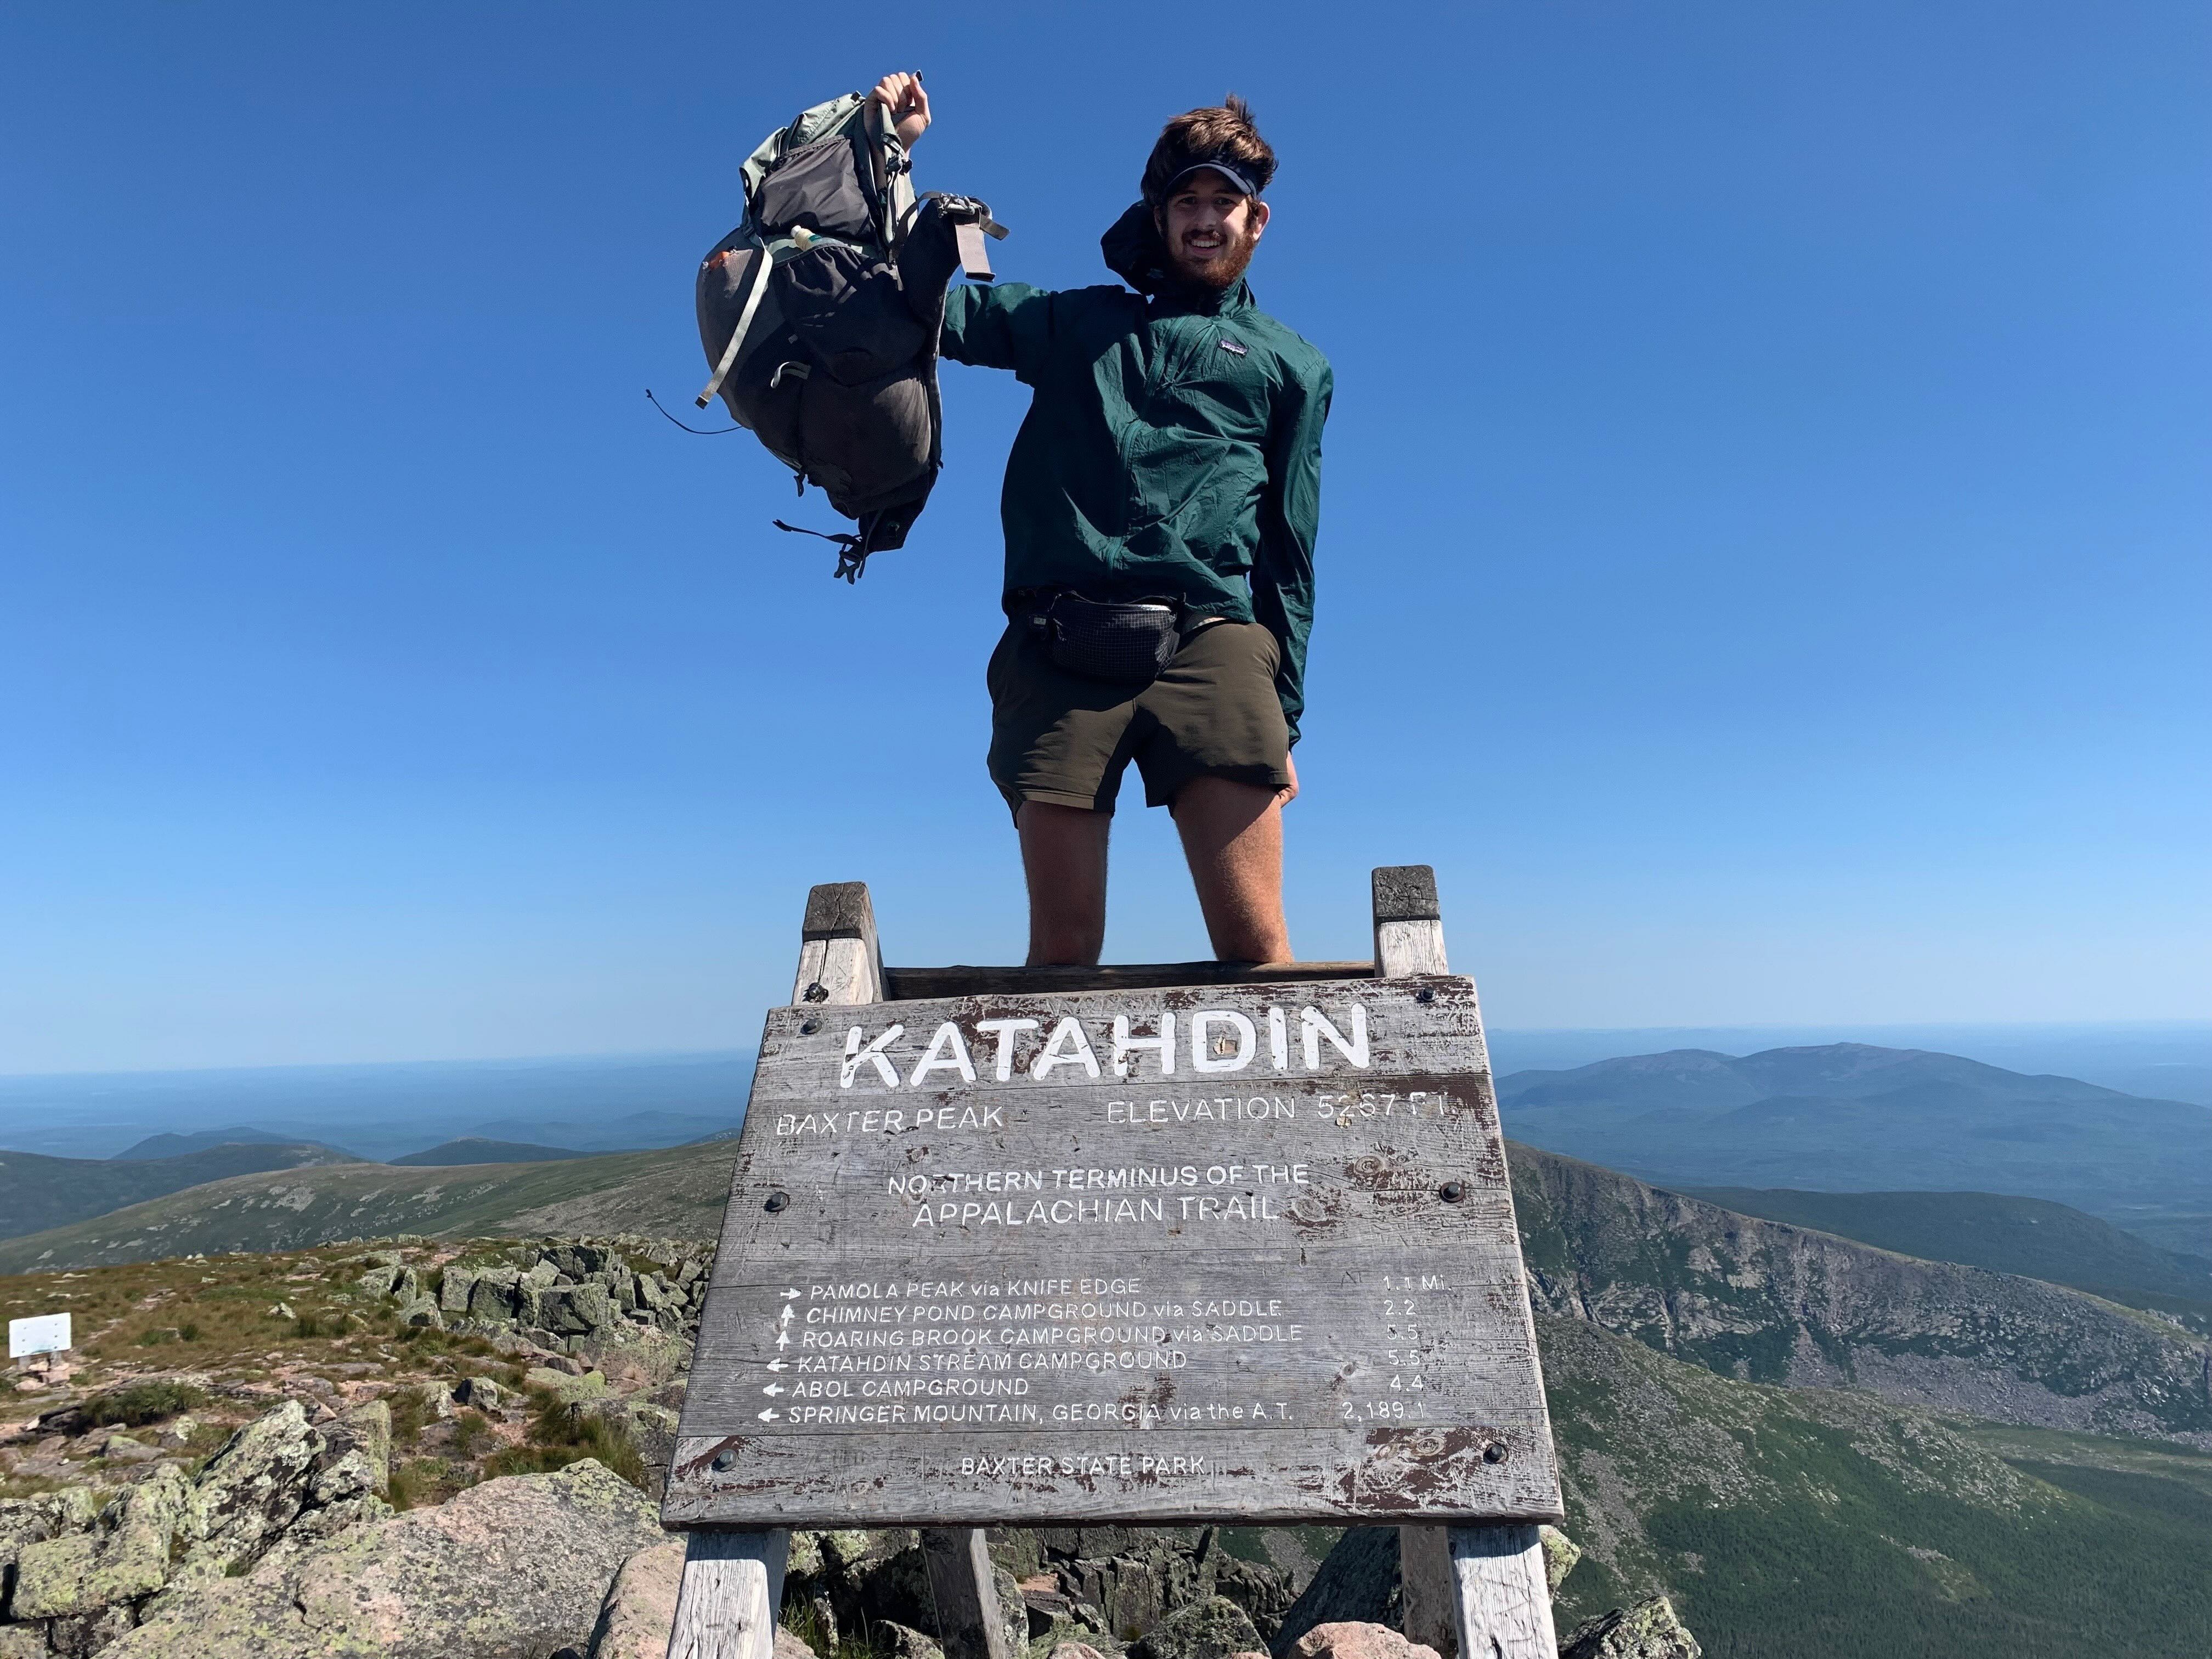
(756,286)
(894,176)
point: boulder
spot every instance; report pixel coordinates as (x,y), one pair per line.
(514,1566)
(81,1573)
(579,1260)
(252,1490)
(422,1312)
(639,1609)
(1648,1631)
(1075,1651)
(494,1296)
(576,1311)
(1358,1640)
(1358,1583)
(478,1394)
(897,1641)
(453,1293)
(1560,1555)
(364,1432)
(1263,1591)
(22,1641)
(1211,1628)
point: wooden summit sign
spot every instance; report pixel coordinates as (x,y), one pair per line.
(1222,1253)
(1174,1243)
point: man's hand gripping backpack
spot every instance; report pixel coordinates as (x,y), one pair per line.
(822,325)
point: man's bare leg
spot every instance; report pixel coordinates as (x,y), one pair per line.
(1064,858)
(1232,834)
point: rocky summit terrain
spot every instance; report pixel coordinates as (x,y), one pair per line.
(454,1448)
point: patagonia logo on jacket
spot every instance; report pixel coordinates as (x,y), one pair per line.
(1228,344)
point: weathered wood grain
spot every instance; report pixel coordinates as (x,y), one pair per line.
(919,984)
(840,962)
(1503,1603)
(1404,949)
(730,1591)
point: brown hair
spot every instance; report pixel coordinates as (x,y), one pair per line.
(1223,132)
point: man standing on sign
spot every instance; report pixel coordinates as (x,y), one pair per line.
(1160,506)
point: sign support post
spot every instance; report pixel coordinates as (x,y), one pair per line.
(1174,1244)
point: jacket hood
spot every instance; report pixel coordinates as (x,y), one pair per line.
(1135,252)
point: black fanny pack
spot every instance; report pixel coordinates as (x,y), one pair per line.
(1127,644)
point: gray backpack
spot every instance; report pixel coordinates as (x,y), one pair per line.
(823,329)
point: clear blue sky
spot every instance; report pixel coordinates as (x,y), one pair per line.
(1765,513)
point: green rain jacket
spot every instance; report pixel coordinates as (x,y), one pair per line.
(1172,450)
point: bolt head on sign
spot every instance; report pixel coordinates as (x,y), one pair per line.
(1168,1256)
(47,1333)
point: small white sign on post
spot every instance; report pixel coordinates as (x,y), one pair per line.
(47,1333)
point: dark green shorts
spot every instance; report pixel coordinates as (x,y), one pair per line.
(1212,713)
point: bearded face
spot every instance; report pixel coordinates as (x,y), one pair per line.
(1210,228)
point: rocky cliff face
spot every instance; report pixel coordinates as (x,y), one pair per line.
(1763,1302)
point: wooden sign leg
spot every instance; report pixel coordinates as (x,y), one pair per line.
(731,1591)
(1476,1591)
(841,965)
(1409,929)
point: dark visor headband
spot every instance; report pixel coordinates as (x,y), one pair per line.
(1236,176)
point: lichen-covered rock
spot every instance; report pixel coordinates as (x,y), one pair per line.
(514,1566)
(1211,1628)
(128,1559)
(495,1295)
(22,1641)
(1647,1631)
(26,1521)
(361,1439)
(421,1312)
(50,1576)
(1358,1640)
(455,1288)
(252,1490)
(1560,1555)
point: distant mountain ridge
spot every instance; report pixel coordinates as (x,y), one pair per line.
(176,1145)
(1850,1117)
(2032,1236)
(473,1149)
(39,1193)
